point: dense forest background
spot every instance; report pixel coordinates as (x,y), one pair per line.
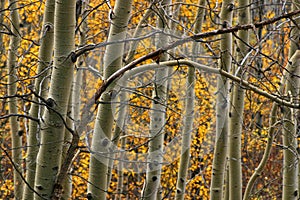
(153,99)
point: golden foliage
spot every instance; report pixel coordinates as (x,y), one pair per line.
(140,97)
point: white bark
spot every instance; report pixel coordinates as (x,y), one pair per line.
(53,122)
(40,85)
(13,102)
(104,121)
(220,151)
(237,107)
(157,116)
(290,154)
(189,113)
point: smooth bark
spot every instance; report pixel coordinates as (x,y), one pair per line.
(237,107)
(99,162)
(221,143)
(157,115)
(40,87)
(13,102)
(53,122)
(189,113)
(290,154)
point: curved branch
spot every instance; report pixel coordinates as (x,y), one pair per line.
(131,69)
(19,115)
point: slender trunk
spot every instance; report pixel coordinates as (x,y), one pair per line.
(220,151)
(74,102)
(290,156)
(53,121)
(122,111)
(104,121)
(295,35)
(266,155)
(157,116)
(121,187)
(189,113)
(40,87)
(77,82)
(13,102)
(67,182)
(259,63)
(237,103)
(157,123)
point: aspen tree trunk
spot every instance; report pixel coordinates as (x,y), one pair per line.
(290,156)
(157,116)
(295,41)
(40,87)
(53,122)
(67,182)
(74,103)
(237,107)
(77,82)
(122,110)
(189,113)
(220,150)
(13,102)
(104,121)
(259,63)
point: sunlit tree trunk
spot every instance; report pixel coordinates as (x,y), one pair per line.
(158,115)
(13,103)
(40,87)
(237,107)
(53,121)
(74,101)
(189,112)
(290,156)
(220,151)
(122,109)
(104,120)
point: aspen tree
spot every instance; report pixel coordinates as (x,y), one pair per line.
(53,121)
(40,87)
(221,143)
(237,107)
(189,112)
(290,154)
(290,124)
(101,141)
(13,102)
(158,115)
